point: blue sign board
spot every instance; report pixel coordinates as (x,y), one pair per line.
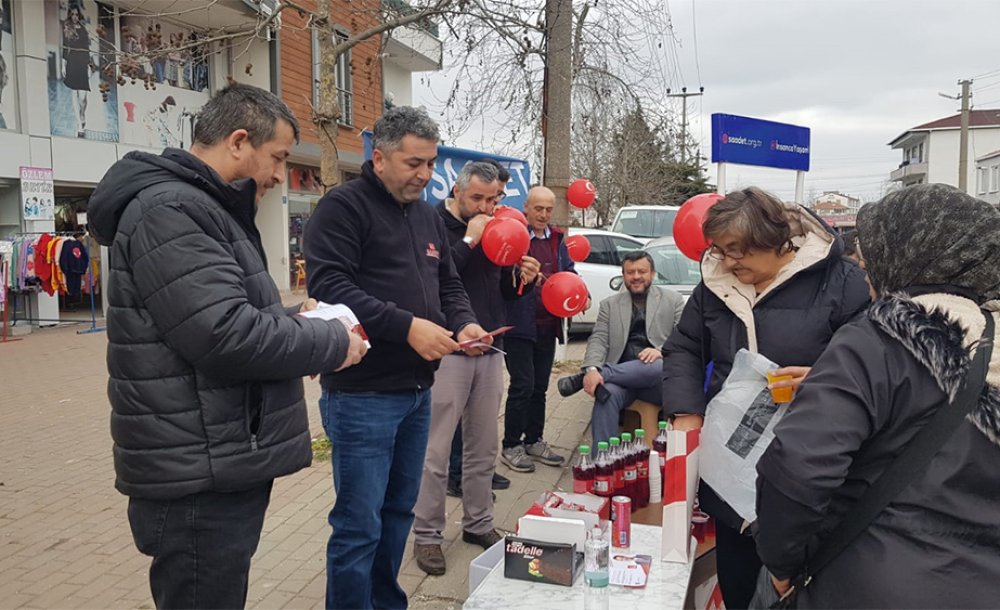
(451,160)
(740,139)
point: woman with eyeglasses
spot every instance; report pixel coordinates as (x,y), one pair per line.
(774,281)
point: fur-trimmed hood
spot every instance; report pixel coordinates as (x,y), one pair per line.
(943,331)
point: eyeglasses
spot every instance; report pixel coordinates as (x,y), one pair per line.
(719,254)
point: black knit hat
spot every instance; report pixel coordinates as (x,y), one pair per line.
(931,235)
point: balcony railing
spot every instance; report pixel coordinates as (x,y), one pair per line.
(402,8)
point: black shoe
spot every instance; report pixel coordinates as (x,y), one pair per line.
(484,540)
(601,393)
(570,384)
(500,481)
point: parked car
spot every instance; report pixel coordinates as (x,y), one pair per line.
(597,271)
(673,269)
(645,222)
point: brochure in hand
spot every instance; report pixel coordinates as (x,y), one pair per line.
(478,341)
(325,311)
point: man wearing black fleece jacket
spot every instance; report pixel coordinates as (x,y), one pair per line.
(468,389)
(376,247)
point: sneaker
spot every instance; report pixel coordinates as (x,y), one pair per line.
(540,452)
(500,481)
(570,385)
(484,540)
(430,559)
(516,459)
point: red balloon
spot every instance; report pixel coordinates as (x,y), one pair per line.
(581,193)
(579,247)
(505,241)
(687,225)
(503,211)
(564,294)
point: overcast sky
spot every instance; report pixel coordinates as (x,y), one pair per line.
(857,72)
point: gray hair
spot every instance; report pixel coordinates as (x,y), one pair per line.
(240,106)
(402,121)
(484,170)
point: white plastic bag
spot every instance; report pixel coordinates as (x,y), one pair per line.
(739,425)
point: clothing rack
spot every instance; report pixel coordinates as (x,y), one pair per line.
(94,328)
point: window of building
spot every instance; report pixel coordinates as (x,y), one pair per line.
(982,180)
(995,178)
(342,78)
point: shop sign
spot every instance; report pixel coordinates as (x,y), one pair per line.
(747,141)
(37,193)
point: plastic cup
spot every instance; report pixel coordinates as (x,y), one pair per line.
(780,395)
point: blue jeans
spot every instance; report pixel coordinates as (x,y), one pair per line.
(625,382)
(379,441)
(201,545)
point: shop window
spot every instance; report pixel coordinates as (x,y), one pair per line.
(342,78)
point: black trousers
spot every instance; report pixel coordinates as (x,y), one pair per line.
(201,545)
(738,565)
(529,364)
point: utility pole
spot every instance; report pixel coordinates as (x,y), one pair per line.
(963,140)
(684,115)
(557,103)
(963,135)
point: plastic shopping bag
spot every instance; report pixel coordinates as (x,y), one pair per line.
(739,425)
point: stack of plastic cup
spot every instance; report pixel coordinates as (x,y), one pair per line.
(655,478)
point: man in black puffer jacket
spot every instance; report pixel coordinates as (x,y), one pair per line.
(206,365)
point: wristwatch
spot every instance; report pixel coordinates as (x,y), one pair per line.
(468,241)
(591,369)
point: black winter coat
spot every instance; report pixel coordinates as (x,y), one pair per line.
(388,262)
(937,545)
(794,322)
(205,364)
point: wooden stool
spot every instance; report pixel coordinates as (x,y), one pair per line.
(647,414)
(300,273)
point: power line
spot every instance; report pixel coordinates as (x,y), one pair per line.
(694,27)
(997,71)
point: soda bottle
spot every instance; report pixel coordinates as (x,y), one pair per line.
(583,472)
(614,452)
(630,472)
(642,468)
(603,472)
(660,444)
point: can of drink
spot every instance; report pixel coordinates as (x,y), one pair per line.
(621,526)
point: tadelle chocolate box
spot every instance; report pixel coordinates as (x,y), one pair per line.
(545,562)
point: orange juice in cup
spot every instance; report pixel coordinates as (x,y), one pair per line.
(780,395)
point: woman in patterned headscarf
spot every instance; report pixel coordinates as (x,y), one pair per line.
(933,256)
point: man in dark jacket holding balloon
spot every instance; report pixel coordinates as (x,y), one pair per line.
(531,344)
(465,388)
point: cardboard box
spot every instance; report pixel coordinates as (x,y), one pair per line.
(542,562)
(563,505)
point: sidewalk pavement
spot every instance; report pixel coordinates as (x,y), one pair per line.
(64,535)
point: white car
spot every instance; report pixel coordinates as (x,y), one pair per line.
(602,265)
(645,222)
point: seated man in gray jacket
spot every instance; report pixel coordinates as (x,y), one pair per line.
(623,360)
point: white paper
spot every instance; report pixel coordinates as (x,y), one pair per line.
(326,311)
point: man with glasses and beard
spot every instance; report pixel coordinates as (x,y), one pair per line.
(623,360)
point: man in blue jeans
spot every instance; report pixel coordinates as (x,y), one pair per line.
(374,245)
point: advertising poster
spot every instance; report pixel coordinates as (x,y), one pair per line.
(37,193)
(83,92)
(8,85)
(164,82)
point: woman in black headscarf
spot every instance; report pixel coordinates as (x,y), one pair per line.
(933,256)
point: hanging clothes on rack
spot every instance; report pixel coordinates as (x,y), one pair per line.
(73,262)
